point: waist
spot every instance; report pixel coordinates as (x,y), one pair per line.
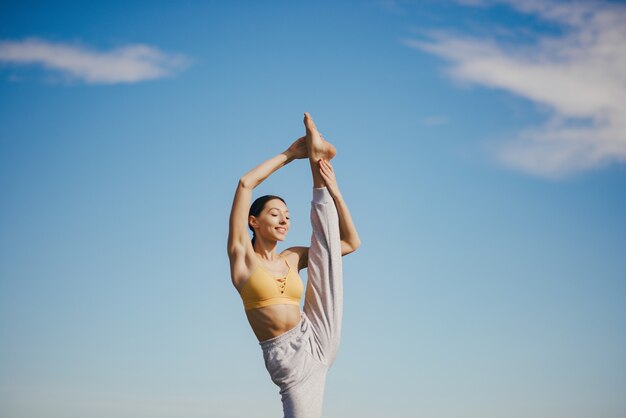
(273,321)
(290,333)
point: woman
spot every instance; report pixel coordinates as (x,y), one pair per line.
(298,346)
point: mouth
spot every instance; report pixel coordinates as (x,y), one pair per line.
(281,230)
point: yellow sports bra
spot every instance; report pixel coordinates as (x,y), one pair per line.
(263,289)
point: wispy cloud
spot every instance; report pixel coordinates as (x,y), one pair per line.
(126,64)
(434,120)
(393,6)
(579,75)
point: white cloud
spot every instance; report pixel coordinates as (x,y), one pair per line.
(127,64)
(579,75)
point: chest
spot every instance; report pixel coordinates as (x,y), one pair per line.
(276,270)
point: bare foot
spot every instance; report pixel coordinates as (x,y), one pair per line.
(317,147)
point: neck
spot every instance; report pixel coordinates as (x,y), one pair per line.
(265,249)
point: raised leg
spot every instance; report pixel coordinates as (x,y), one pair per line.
(317,149)
(323,303)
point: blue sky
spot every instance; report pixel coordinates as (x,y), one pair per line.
(481,149)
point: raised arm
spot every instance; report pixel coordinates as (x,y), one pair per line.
(238,239)
(349,237)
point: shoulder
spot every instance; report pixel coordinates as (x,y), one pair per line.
(297,256)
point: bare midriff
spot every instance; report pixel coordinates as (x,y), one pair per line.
(271,321)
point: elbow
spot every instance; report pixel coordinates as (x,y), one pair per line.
(245,183)
(352,246)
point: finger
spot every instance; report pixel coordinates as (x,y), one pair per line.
(326,172)
(327,180)
(329,171)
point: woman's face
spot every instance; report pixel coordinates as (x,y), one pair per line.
(273,221)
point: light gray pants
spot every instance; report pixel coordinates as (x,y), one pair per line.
(299,359)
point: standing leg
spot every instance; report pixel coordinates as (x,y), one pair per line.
(307,399)
(300,376)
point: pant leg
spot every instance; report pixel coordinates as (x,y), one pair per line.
(323,303)
(300,377)
(306,399)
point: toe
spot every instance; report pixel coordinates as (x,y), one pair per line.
(308,122)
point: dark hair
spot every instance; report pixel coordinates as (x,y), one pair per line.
(257,207)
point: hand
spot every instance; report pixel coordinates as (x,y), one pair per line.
(328,175)
(298,148)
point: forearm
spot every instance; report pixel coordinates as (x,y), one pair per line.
(259,173)
(347,230)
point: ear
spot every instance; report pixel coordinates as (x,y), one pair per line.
(252,221)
